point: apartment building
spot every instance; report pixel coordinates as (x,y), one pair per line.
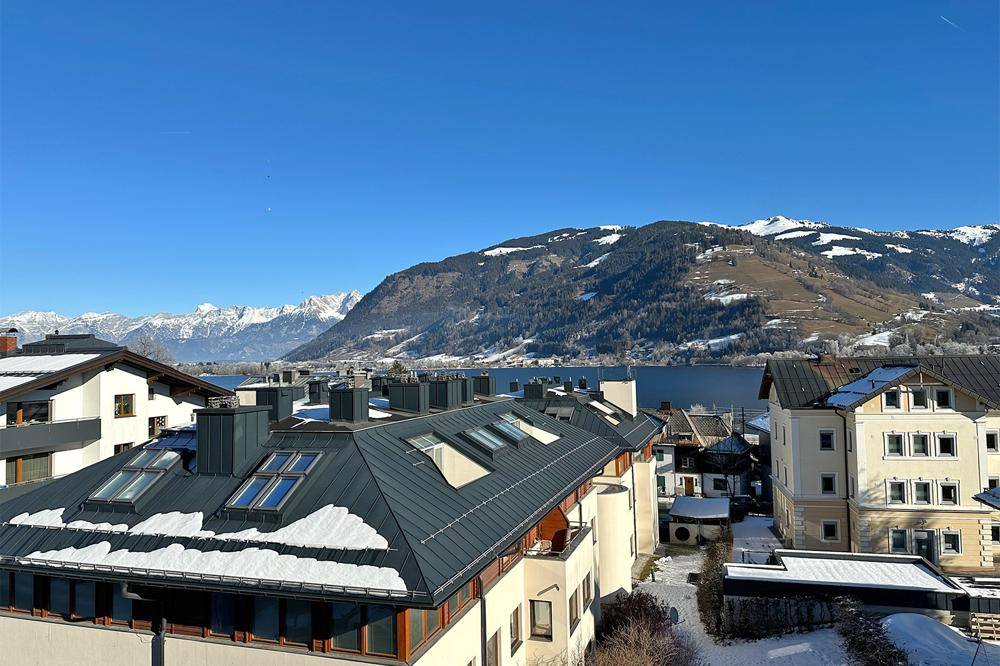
(886,455)
(72,400)
(440,529)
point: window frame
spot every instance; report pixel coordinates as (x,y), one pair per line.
(930,492)
(949,484)
(996,442)
(137,470)
(944,541)
(885,400)
(889,436)
(533,623)
(954,444)
(889,484)
(515,630)
(823,524)
(913,403)
(938,390)
(822,478)
(272,479)
(119,405)
(833,439)
(573,607)
(928,449)
(906,540)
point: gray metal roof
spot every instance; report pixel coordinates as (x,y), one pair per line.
(806,382)
(631,433)
(438,536)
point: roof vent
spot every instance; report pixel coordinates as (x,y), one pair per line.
(349,404)
(319,391)
(278,400)
(229,438)
(445,393)
(409,396)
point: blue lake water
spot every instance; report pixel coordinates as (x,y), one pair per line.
(708,385)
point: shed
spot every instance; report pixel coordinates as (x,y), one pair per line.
(693,520)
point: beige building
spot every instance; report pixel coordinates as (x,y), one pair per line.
(884,455)
(483,534)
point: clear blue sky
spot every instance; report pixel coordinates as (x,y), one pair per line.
(158,155)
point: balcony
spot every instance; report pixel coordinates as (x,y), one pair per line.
(561,545)
(50,436)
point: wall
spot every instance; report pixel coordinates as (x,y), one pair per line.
(53,643)
(614,534)
(646,506)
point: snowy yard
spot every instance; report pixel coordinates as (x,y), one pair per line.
(753,540)
(818,647)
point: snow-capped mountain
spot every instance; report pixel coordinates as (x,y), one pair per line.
(233,333)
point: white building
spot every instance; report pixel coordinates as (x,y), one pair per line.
(71,400)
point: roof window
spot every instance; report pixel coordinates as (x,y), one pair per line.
(456,468)
(531,430)
(489,440)
(137,476)
(273,482)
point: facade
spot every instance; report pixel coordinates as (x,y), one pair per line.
(72,400)
(482,534)
(886,455)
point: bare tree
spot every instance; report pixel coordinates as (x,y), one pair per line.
(146,346)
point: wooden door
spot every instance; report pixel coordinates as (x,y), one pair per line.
(688,486)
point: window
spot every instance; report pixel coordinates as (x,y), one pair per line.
(918,398)
(687,462)
(994,537)
(852,487)
(588,591)
(951,543)
(897,492)
(152,393)
(121,608)
(515,630)
(659,456)
(266,624)
(85,599)
(59,596)
(541,619)
(423,624)
(223,615)
(486,439)
(380,630)
(124,405)
(460,599)
(493,650)
(891,399)
(720,484)
(919,446)
(992,444)
(24,592)
(826,440)
(828,484)
(574,610)
(894,445)
(4,589)
(298,621)
(22,413)
(156,424)
(274,480)
(949,493)
(509,429)
(831,530)
(850,441)
(921,492)
(942,398)
(992,482)
(29,468)
(897,541)
(137,476)
(345,626)
(946,446)
(120,448)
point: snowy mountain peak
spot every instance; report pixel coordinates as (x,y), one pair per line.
(205,307)
(778,224)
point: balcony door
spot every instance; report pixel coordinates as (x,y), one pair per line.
(923,545)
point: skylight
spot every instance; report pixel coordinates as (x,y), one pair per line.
(529,429)
(274,481)
(510,429)
(491,441)
(136,477)
(456,468)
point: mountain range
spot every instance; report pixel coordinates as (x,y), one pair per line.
(673,291)
(234,333)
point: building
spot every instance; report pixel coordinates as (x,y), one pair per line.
(886,455)
(72,400)
(427,531)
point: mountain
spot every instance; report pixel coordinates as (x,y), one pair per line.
(674,291)
(235,333)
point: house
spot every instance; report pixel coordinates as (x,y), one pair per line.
(725,467)
(73,400)
(419,530)
(886,455)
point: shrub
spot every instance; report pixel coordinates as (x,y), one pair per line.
(638,644)
(710,583)
(636,607)
(864,638)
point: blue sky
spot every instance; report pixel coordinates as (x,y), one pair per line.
(159,155)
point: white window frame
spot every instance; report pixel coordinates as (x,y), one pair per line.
(822,530)
(889,483)
(906,540)
(937,444)
(927,398)
(958,493)
(951,398)
(930,447)
(996,434)
(996,526)
(902,444)
(951,552)
(833,439)
(823,476)
(930,492)
(899,400)
(992,477)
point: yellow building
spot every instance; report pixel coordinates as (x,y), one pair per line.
(884,455)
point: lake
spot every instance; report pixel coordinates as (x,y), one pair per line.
(708,385)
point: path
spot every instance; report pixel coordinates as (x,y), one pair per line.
(753,540)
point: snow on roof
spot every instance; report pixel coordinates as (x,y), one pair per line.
(259,563)
(42,362)
(927,641)
(327,527)
(10,382)
(979,587)
(700,507)
(851,393)
(989,497)
(859,570)
(762,422)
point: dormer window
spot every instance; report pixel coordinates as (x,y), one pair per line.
(942,397)
(891,399)
(137,476)
(456,468)
(273,482)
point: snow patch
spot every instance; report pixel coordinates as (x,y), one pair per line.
(793,234)
(778,224)
(500,251)
(610,239)
(587,296)
(840,251)
(596,262)
(899,248)
(826,239)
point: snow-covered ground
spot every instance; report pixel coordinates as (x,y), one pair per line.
(820,647)
(930,643)
(753,540)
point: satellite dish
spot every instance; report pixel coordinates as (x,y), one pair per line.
(675,617)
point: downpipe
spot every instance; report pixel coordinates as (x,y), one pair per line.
(158,645)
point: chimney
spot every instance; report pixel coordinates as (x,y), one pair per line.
(514,387)
(621,393)
(319,392)
(8,342)
(410,396)
(485,385)
(666,406)
(468,390)
(445,393)
(230,438)
(568,386)
(582,383)
(278,400)
(825,359)
(535,390)
(349,404)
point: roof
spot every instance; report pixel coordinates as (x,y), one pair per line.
(897,572)
(24,372)
(762,422)
(630,432)
(373,517)
(807,382)
(734,444)
(700,508)
(989,497)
